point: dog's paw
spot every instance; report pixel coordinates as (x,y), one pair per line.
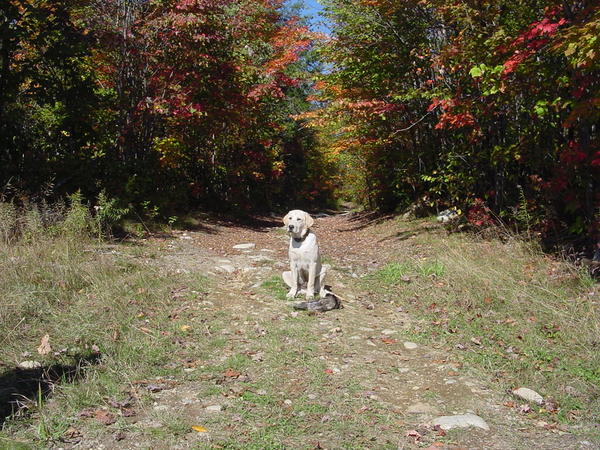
(292,293)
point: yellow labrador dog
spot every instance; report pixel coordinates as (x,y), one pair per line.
(307,274)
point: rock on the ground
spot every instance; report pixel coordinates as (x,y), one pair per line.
(30,365)
(244,246)
(227,268)
(410,345)
(460,421)
(446,216)
(214,408)
(529,395)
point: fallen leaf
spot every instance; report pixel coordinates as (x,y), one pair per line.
(509,404)
(104,417)
(72,433)
(185,328)
(488,300)
(475,341)
(439,430)
(551,405)
(128,412)
(44,347)
(119,404)
(230,373)
(435,445)
(525,409)
(388,341)
(329,371)
(199,429)
(414,434)
(120,436)
(154,387)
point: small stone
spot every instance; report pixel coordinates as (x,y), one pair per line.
(214,408)
(152,424)
(448,215)
(410,345)
(460,421)
(287,401)
(388,332)
(244,246)
(312,396)
(529,395)
(30,365)
(403,370)
(227,268)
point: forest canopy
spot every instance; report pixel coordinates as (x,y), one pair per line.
(490,108)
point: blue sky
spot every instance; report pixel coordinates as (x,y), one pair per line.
(312,8)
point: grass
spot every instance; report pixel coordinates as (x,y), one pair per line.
(521,318)
(109,318)
(118,317)
(275,287)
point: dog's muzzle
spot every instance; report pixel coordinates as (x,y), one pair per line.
(290,228)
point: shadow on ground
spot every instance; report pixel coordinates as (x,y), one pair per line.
(364,220)
(21,387)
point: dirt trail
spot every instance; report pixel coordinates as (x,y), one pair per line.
(346,378)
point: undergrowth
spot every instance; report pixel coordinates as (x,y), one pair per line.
(520,317)
(105,316)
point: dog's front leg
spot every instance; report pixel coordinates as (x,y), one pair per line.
(295,283)
(312,276)
(321,281)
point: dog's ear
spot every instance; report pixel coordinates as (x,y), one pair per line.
(286,219)
(308,220)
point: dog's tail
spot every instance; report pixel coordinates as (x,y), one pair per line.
(328,303)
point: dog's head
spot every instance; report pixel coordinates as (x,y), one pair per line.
(298,222)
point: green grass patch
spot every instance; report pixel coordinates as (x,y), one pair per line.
(391,274)
(275,287)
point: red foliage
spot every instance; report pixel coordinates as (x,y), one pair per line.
(572,155)
(479,214)
(450,119)
(532,39)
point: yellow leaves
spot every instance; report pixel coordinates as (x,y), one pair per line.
(572,47)
(171,150)
(185,328)
(199,429)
